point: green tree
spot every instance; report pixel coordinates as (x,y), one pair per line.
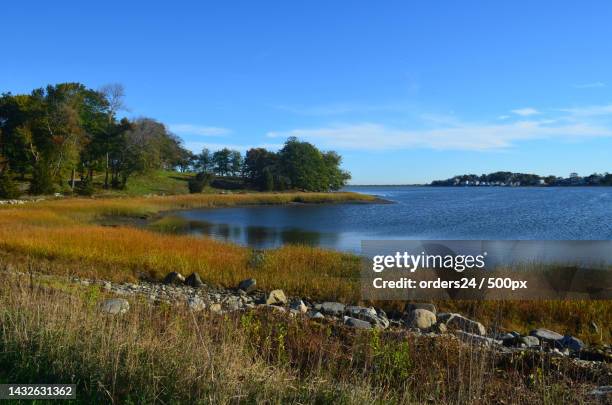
(304,166)
(222,161)
(8,187)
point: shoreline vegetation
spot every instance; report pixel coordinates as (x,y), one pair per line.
(168,353)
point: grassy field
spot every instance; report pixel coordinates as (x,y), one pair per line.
(65,237)
(163,354)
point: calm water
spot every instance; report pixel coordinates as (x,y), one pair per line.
(417,213)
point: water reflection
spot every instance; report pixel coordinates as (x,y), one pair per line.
(260,237)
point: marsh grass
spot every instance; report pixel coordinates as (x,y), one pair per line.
(166,354)
(65,237)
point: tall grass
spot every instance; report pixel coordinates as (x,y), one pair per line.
(162,354)
(64,237)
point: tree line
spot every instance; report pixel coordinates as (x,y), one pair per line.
(298,165)
(524,179)
(62,136)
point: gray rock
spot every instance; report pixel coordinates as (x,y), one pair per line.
(422,305)
(174,278)
(356,323)
(546,335)
(439,328)
(299,307)
(276,297)
(194,281)
(375,317)
(316,315)
(247,285)
(530,341)
(421,319)
(474,338)
(456,321)
(572,343)
(215,308)
(115,306)
(602,393)
(195,303)
(331,308)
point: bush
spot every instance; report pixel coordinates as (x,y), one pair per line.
(85,187)
(228,183)
(8,187)
(199,182)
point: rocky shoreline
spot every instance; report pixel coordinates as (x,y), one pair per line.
(419,319)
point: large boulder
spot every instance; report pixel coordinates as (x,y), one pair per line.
(331,308)
(460,322)
(420,318)
(276,297)
(115,306)
(174,278)
(194,280)
(247,285)
(546,335)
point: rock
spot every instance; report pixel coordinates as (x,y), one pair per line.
(546,335)
(529,341)
(194,280)
(216,308)
(439,328)
(460,322)
(107,285)
(331,308)
(572,343)
(273,308)
(247,285)
(174,278)
(421,319)
(316,315)
(603,394)
(299,307)
(356,323)
(115,306)
(375,317)
(195,303)
(424,305)
(476,338)
(276,297)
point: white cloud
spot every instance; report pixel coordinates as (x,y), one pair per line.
(525,112)
(593,85)
(199,130)
(589,111)
(465,136)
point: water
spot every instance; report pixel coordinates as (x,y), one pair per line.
(417,213)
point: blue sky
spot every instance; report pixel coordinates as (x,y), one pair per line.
(406,91)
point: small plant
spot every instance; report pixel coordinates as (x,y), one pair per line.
(8,187)
(42,182)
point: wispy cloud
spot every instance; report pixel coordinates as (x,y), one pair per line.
(457,134)
(525,112)
(593,85)
(198,130)
(589,111)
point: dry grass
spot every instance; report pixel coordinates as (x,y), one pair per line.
(169,355)
(63,237)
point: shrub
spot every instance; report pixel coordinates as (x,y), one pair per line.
(8,187)
(199,182)
(85,187)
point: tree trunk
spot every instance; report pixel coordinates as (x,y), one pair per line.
(106,174)
(72,178)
